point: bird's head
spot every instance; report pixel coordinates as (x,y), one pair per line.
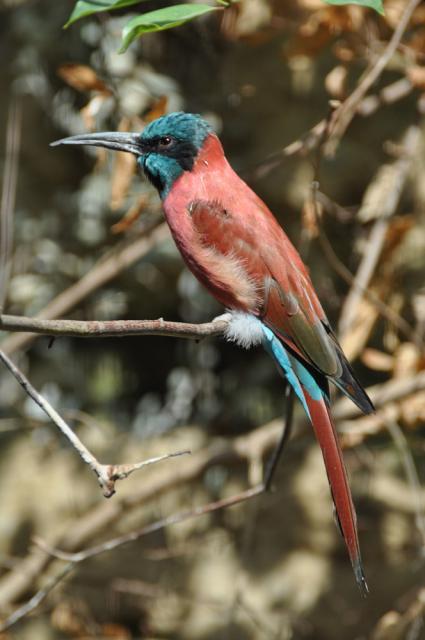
(164,149)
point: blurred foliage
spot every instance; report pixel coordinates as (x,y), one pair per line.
(373,4)
(263,74)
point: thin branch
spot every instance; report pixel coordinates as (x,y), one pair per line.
(174,518)
(253,445)
(75,558)
(107,474)
(385,205)
(36,599)
(345,113)
(411,474)
(311,139)
(339,267)
(404,625)
(105,329)
(104,515)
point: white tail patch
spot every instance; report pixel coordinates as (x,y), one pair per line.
(244,329)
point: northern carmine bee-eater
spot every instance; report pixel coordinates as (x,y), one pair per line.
(233,244)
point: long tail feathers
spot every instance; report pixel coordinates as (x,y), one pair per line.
(337,476)
(313,397)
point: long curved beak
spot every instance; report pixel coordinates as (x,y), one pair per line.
(129,142)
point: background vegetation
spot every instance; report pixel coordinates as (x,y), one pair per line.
(89,243)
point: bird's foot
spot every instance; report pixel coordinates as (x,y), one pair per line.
(224,317)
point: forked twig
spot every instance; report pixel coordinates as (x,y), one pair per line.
(107,474)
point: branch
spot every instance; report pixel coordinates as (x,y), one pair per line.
(103,271)
(396,625)
(312,138)
(381,200)
(132,536)
(345,113)
(107,474)
(36,599)
(75,558)
(108,328)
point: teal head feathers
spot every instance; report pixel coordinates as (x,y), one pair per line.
(165,148)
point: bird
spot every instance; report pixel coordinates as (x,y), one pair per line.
(233,244)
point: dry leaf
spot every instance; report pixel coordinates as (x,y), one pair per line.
(91,110)
(335,82)
(82,78)
(123,171)
(131,216)
(157,110)
(416,75)
(406,360)
(308,217)
(353,342)
(377,360)
(413,410)
(116,631)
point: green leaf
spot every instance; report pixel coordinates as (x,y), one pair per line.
(371,4)
(85,8)
(162,19)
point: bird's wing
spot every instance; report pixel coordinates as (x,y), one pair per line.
(287,302)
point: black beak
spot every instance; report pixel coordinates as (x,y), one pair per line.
(129,142)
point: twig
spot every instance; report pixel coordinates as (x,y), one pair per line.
(386,204)
(406,625)
(105,329)
(339,267)
(175,518)
(36,599)
(286,432)
(253,445)
(103,271)
(8,196)
(311,139)
(107,474)
(73,559)
(345,113)
(411,474)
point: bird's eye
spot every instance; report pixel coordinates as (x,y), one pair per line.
(165,141)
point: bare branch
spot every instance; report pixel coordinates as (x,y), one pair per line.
(339,267)
(174,518)
(107,474)
(345,113)
(105,329)
(412,477)
(36,599)
(386,197)
(312,138)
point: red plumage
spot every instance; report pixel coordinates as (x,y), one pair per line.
(233,244)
